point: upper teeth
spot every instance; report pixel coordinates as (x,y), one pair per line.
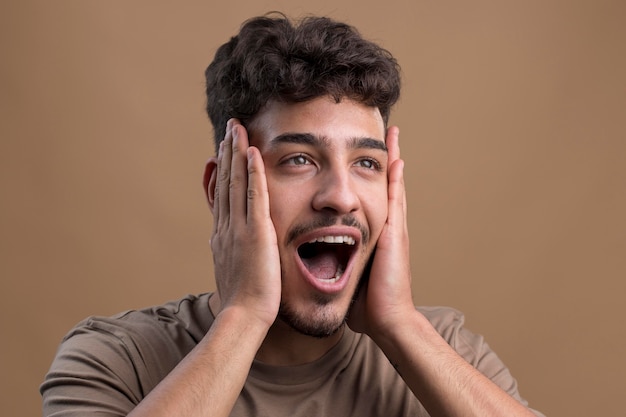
(334,239)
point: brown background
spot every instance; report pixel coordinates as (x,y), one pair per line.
(513,128)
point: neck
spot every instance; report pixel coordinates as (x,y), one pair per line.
(284,346)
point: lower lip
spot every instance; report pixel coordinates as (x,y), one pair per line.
(326,286)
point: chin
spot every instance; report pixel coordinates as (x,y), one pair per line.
(321,320)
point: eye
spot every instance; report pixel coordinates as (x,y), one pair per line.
(299,159)
(368,163)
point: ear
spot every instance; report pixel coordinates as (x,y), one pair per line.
(209,180)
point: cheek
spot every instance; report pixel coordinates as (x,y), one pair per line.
(276,208)
(376,210)
(285,204)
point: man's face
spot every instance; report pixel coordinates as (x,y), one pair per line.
(326,167)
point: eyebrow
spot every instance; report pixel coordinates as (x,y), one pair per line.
(312,140)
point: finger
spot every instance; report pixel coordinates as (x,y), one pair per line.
(223,178)
(258,196)
(238,173)
(397,196)
(396,192)
(392,142)
(397,226)
(216,205)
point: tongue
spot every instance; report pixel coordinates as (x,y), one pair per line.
(323,265)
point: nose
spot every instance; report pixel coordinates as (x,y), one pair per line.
(336,193)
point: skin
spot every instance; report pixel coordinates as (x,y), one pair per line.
(259,193)
(339,172)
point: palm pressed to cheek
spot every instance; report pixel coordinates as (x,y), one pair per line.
(325,166)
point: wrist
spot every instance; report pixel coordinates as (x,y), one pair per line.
(409,325)
(240,321)
(263,317)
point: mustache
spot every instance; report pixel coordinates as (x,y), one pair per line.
(327,221)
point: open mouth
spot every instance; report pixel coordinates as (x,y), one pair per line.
(327,257)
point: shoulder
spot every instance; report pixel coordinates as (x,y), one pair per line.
(128,353)
(450,324)
(444,319)
(151,340)
(187,318)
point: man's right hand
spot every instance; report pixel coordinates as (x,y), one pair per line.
(247,272)
(244,243)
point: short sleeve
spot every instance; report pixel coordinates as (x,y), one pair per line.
(473,348)
(106,366)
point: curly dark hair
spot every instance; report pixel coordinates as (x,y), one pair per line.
(273,58)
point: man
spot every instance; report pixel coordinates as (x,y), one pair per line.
(313,313)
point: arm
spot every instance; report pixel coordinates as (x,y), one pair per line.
(441,379)
(209,379)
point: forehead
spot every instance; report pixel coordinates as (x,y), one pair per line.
(339,123)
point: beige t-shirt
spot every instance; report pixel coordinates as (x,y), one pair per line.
(106,366)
